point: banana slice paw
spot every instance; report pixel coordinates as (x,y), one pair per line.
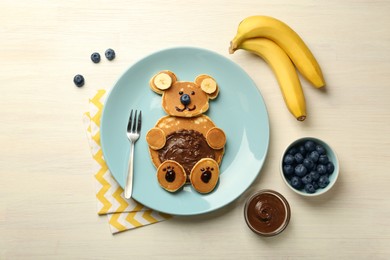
(205,175)
(171,175)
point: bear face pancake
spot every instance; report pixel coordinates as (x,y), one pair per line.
(185,99)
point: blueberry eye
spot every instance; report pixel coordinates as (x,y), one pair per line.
(180,93)
(192,92)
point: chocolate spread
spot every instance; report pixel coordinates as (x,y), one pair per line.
(267,213)
(186,147)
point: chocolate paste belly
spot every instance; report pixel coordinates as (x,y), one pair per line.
(186,147)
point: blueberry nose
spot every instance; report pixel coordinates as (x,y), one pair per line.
(185,99)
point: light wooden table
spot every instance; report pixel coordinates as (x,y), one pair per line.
(47,200)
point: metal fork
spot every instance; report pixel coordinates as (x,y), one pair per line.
(133,133)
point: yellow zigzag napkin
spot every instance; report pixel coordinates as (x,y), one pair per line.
(123,214)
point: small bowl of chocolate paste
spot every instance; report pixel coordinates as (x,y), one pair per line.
(267,213)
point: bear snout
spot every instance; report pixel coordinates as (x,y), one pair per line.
(185,99)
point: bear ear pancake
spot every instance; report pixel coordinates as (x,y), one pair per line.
(162,81)
(208,85)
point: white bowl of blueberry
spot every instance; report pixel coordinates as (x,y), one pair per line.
(309,166)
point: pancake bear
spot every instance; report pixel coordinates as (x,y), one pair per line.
(185,146)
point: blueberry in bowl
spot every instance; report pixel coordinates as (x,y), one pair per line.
(309,166)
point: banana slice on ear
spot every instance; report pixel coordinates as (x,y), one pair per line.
(162,81)
(208,85)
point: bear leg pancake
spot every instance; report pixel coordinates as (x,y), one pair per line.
(205,175)
(171,175)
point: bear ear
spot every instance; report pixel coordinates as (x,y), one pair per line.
(162,81)
(208,85)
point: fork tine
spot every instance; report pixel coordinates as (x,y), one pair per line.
(139,122)
(135,122)
(130,121)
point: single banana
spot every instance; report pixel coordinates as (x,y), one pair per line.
(284,71)
(286,38)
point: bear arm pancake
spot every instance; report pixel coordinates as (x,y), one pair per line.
(156,138)
(216,138)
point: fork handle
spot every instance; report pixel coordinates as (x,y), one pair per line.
(129,179)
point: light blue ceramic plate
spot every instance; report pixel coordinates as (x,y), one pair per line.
(239,110)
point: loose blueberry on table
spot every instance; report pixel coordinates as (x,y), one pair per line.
(95,57)
(110,54)
(307,167)
(78,80)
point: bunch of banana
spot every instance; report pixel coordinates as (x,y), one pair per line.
(282,48)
